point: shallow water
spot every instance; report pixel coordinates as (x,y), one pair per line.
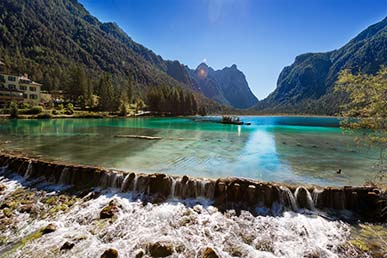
(189,227)
(284,149)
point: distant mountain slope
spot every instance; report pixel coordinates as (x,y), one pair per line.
(306,86)
(45,37)
(228,86)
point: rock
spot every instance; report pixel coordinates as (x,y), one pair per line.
(49,229)
(209,253)
(2,188)
(109,211)
(5,205)
(110,253)
(302,198)
(160,249)
(67,246)
(140,254)
(26,208)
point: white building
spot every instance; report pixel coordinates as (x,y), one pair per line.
(19,89)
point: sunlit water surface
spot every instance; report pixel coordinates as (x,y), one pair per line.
(285,149)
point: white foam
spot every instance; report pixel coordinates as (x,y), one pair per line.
(191,228)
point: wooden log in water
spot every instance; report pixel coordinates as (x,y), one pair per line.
(144,137)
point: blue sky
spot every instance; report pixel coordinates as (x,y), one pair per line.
(259,36)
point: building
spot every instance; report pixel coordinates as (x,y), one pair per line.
(19,89)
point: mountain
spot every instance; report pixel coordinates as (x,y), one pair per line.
(227,86)
(45,37)
(306,86)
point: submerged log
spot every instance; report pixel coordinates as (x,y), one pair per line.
(143,137)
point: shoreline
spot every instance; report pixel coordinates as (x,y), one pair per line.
(98,115)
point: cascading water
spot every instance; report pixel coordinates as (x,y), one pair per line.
(173,188)
(315,196)
(287,198)
(125,183)
(188,230)
(29,170)
(64,177)
(134,189)
(303,195)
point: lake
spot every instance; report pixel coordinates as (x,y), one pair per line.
(282,149)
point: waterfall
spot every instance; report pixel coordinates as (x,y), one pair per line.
(287,197)
(308,198)
(173,187)
(135,184)
(315,195)
(113,181)
(104,180)
(29,170)
(203,185)
(125,183)
(64,176)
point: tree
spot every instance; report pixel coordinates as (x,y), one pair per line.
(13,110)
(106,93)
(139,104)
(76,86)
(366,110)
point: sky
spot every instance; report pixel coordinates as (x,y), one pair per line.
(260,36)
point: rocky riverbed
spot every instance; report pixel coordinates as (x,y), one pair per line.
(38,219)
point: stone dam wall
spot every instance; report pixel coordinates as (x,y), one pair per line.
(367,203)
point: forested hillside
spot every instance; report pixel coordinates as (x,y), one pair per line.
(45,38)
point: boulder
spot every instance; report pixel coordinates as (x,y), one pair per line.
(160,249)
(110,210)
(139,253)
(110,253)
(27,208)
(209,253)
(49,228)
(67,246)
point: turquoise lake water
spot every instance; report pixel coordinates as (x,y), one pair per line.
(283,149)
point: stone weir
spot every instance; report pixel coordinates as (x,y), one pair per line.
(367,203)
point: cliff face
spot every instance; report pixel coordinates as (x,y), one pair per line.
(307,84)
(227,86)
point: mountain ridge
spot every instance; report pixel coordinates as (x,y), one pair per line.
(306,86)
(45,37)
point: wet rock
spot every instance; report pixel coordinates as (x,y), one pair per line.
(160,249)
(110,253)
(28,208)
(302,198)
(67,246)
(87,195)
(140,253)
(5,205)
(49,229)
(210,253)
(110,210)
(184,179)
(160,185)
(2,188)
